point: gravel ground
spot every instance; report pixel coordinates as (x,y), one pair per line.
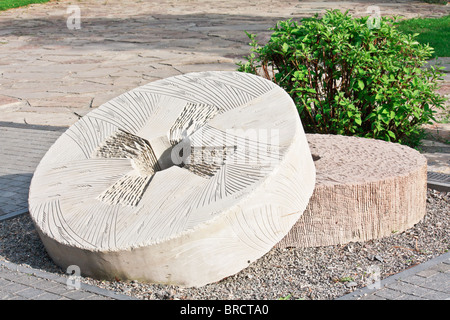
(308,273)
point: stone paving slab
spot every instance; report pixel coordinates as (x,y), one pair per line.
(56,71)
(25,283)
(21,149)
(427,281)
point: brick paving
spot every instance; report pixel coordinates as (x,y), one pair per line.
(25,283)
(427,281)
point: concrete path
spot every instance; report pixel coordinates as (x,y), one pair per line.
(50,75)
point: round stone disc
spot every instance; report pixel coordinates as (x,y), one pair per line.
(185,180)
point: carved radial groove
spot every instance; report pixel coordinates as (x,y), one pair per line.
(193,117)
(127,190)
(126,145)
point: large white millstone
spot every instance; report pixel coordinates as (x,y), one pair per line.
(183,181)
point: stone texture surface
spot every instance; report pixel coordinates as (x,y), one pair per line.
(58,71)
(113,197)
(365,189)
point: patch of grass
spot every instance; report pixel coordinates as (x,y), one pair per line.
(8,4)
(346,279)
(289,297)
(435,1)
(432,31)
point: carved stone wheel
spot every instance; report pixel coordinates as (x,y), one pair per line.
(365,189)
(184,181)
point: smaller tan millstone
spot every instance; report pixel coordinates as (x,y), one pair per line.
(365,189)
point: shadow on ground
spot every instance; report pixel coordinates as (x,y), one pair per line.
(197,32)
(14,194)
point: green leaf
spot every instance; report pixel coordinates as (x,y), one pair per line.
(361,84)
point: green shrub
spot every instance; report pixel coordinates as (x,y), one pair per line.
(351,76)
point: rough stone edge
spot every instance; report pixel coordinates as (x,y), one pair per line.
(61,279)
(403,274)
(294,237)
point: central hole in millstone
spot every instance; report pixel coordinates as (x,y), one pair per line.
(201,160)
(174,156)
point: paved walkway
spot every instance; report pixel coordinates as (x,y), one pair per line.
(50,75)
(427,281)
(24,283)
(21,148)
(52,72)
